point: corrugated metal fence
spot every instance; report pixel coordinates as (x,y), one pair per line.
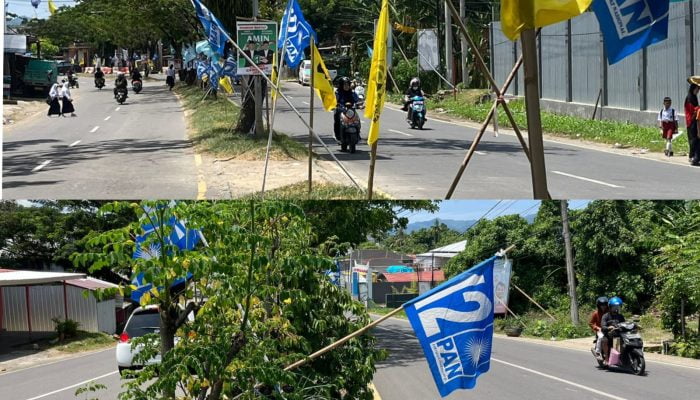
(47,303)
(573,68)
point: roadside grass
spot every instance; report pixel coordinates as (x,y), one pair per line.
(84,341)
(383,311)
(210,124)
(320,191)
(468,106)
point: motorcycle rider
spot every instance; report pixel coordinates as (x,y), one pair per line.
(610,320)
(343,95)
(595,323)
(98,75)
(412,91)
(120,83)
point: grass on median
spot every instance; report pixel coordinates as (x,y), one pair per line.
(211,120)
(320,191)
(467,106)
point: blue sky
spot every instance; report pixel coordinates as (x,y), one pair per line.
(24,7)
(475,209)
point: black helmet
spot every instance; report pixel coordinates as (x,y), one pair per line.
(602,300)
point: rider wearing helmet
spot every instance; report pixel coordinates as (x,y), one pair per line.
(343,95)
(412,91)
(596,325)
(611,319)
(120,82)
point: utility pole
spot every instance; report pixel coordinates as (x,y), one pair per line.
(569,261)
(449,56)
(464,46)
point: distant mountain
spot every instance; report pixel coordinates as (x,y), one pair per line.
(457,225)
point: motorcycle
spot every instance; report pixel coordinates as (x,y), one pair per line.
(417,112)
(360,92)
(630,357)
(99,83)
(349,128)
(137,85)
(73,82)
(121,95)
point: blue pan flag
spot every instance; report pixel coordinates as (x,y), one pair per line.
(631,25)
(216,34)
(454,324)
(180,236)
(298,33)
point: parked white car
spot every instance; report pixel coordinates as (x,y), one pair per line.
(304,77)
(143,320)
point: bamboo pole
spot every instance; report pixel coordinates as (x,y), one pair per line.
(311,112)
(533,301)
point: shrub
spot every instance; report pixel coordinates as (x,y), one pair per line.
(66,328)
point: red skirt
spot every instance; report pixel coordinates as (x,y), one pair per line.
(668,128)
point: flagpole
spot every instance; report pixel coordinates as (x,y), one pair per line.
(311,111)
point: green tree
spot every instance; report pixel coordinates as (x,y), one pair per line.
(268,303)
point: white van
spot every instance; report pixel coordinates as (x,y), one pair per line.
(304,77)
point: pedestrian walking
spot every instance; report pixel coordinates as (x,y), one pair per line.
(668,122)
(52,100)
(691,110)
(67,100)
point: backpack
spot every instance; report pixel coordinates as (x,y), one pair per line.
(673,114)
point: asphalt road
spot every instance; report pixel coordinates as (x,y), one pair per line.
(422,164)
(134,151)
(521,370)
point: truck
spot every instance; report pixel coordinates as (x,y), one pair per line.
(40,75)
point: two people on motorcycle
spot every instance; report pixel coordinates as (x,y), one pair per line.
(412,91)
(344,95)
(605,327)
(120,83)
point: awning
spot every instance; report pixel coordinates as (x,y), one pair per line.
(10,277)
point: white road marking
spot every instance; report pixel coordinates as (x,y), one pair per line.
(74,143)
(118,108)
(108,117)
(73,386)
(40,166)
(402,133)
(588,180)
(574,384)
(94,129)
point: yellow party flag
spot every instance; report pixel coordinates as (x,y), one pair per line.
(322,82)
(518,15)
(225,82)
(52,7)
(273,78)
(376,87)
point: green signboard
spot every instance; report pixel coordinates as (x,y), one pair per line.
(258,41)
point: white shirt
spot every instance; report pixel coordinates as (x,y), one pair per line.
(668,115)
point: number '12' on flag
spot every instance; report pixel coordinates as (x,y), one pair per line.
(454,325)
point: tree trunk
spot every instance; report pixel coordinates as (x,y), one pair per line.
(246,118)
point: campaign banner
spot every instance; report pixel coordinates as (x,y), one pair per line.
(255,39)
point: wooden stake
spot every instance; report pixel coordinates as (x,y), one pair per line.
(370,180)
(311,112)
(343,340)
(534,302)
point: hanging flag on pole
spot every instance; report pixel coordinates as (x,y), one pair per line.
(376,87)
(298,33)
(518,15)
(214,29)
(323,82)
(454,325)
(52,7)
(631,25)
